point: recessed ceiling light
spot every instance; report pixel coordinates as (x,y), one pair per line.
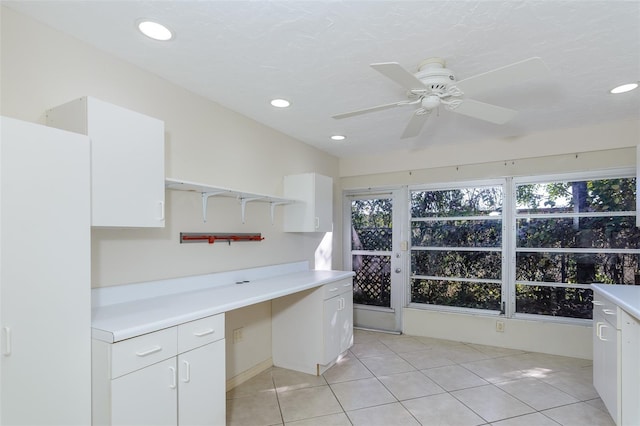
(624,88)
(338,137)
(280,103)
(155,30)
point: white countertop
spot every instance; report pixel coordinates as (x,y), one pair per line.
(625,296)
(115,322)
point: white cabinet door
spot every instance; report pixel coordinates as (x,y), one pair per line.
(201,394)
(314,212)
(630,370)
(606,358)
(147,396)
(346,321)
(332,329)
(45,280)
(127,161)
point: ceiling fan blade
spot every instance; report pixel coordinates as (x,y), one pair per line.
(487,112)
(415,125)
(395,72)
(372,109)
(509,74)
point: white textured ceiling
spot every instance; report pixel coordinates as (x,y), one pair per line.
(241,54)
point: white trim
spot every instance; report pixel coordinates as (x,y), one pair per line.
(576,250)
(571,215)
(454,218)
(457,279)
(623,172)
(456,185)
(550,284)
(468,249)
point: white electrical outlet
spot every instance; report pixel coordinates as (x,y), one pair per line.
(237,335)
(500,326)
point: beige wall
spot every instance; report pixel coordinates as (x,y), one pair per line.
(205,142)
(565,143)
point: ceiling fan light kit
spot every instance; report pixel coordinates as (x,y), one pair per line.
(434,85)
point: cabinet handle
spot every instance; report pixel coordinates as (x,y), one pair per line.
(331,290)
(346,285)
(317,222)
(187,371)
(150,351)
(7,341)
(161,210)
(204,333)
(600,326)
(174,383)
(609,311)
(597,303)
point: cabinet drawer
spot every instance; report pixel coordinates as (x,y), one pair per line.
(200,332)
(138,352)
(607,308)
(337,287)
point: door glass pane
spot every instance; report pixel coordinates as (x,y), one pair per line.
(371,224)
(371,231)
(372,283)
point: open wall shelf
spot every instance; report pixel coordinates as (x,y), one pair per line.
(207,191)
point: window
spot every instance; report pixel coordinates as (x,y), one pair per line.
(456,247)
(530,250)
(569,234)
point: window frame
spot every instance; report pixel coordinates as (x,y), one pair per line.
(509,238)
(549,178)
(452,186)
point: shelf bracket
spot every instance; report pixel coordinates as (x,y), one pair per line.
(273,208)
(205,202)
(243,204)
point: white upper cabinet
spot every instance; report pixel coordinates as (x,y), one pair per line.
(314,212)
(127,161)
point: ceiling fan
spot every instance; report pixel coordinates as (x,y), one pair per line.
(434,85)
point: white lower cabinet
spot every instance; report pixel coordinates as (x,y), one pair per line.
(616,360)
(630,360)
(310,329)
(606,350)
(174,376)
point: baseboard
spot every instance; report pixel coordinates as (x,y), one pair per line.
(248,374)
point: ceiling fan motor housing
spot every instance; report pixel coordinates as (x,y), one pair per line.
(433,74)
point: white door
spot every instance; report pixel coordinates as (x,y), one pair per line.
(148,396)
(201,395)
(45,279)
(373,240)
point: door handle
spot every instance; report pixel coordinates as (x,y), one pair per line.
(187,371)
(7,341)
(398,270)
(174,383)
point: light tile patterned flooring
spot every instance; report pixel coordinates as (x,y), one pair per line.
(398,380)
